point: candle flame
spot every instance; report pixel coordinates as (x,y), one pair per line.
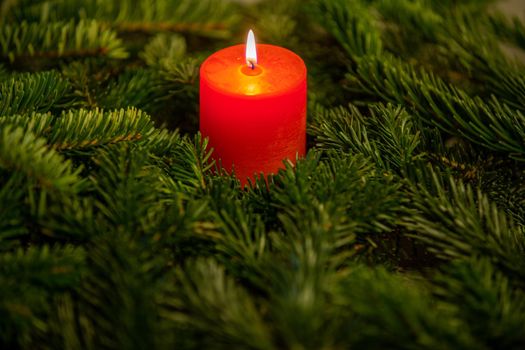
(251,50)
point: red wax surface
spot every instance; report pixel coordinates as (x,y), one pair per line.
(254,119)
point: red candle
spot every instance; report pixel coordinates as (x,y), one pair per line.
(253,107)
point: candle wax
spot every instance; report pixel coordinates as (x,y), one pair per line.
(254,117)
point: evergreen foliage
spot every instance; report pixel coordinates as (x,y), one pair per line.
(58,39)
(402,228)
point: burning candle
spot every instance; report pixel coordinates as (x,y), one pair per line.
(253,107)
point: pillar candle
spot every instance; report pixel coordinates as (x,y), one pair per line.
(253,108)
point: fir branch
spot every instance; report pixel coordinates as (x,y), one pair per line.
(23,41)
(124,187)
(36,123)
(208,17)
(503,182)
(463,42)
(11,213)
(351,23)
(397,136)
(45,267)
(347,181)
(511,30)
(218,30)
(323,237)
(478,53)
(493,124)
(62,325)
(308,258)
(4,73)
(137,193)
(344,129)
(222,313)
(161,142)
(191,163)
(17,10)
(163,49)
(490,124)
(181,77)
(467,45)
(87,78)
(279,29)
(388,136)
(457,223)
(117,300)
(72,219)
(23,152)
(278,21)
(30,278)
(214,18)
(486,301)
(242,235)
(449,7)
(139,88)
(414,18)
(509,85)
(33,92)
(80,129)
(392,311)
(240,238)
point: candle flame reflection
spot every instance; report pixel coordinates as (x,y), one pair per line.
(251,89)
(251,50)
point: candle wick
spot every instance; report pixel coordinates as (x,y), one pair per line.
(253,65)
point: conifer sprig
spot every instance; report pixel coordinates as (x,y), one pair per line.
(31,278)
(23,152)
(80,129)
(27,92)
(351,24)
(458,223)
(213,18)
(491,124)
(48,41)
(11,213)
(495,308)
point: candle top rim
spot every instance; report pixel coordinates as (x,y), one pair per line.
(282,71)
